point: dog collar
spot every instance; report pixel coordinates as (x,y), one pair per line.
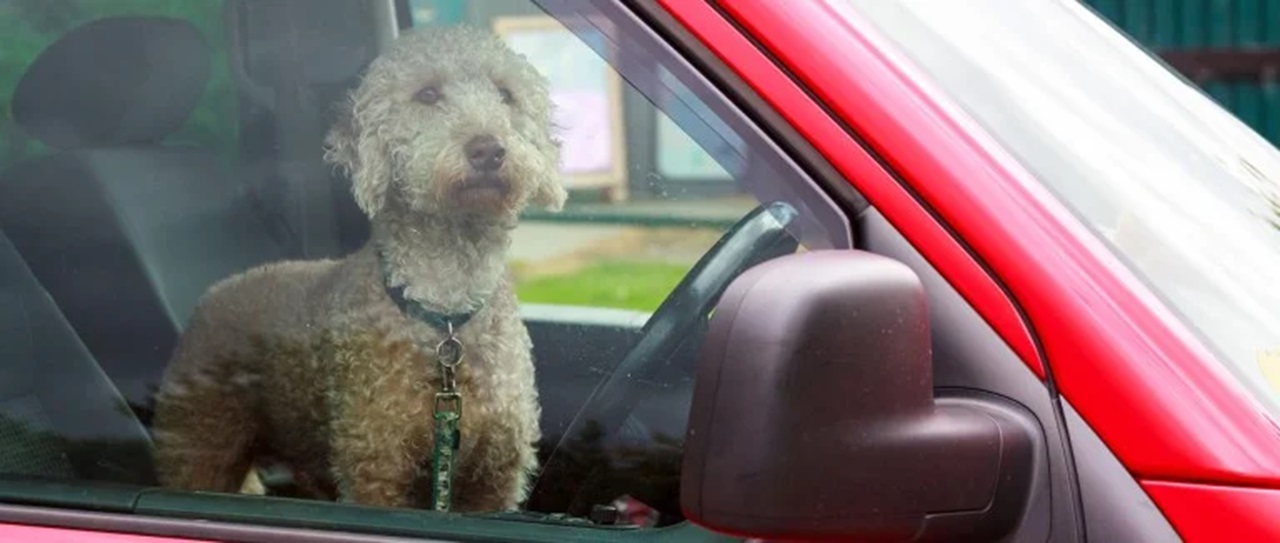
(445,323)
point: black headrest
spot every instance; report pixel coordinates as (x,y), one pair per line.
(113,81)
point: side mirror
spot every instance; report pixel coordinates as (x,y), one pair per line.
(814,415)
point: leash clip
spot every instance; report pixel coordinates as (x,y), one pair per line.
(448,357)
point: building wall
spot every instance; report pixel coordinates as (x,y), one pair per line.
(1230,48)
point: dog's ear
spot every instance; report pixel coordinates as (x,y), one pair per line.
(549,194)
(347,148)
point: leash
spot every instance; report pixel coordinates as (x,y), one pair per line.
(448,417)
(447,411)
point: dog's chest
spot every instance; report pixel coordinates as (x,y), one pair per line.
(399,376)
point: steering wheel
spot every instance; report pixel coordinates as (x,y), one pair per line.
(759,236)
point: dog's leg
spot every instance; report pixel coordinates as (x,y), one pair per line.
(380,412)
(373,463)
(204,430)
(496,468)
(495,474)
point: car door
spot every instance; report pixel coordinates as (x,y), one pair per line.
(681,127)
(1123,317)
(929,164)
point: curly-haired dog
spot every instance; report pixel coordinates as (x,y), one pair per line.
(330,366)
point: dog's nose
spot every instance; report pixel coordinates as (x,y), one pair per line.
(485,153)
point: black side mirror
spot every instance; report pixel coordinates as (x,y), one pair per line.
(814,415)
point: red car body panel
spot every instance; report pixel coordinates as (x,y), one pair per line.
(20,533)
(893,200)
(1136,373)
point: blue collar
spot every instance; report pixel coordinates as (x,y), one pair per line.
(446,323)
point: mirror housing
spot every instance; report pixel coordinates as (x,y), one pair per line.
(814,415)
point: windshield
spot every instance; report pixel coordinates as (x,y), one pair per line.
(1182,191)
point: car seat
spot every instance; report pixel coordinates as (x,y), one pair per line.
(124,229)
(60,417)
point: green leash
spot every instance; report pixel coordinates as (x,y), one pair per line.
(447,413)
(448,417)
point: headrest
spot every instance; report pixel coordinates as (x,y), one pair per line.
(113,81)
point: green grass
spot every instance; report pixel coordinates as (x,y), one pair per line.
(638,286)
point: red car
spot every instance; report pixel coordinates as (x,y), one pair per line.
(952,271)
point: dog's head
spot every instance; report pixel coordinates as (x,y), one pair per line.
(449,120)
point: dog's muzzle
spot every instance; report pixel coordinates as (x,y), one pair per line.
(488,182)
(485,185)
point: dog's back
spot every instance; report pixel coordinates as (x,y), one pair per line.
(269,300)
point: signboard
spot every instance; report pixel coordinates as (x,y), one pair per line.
(588,96)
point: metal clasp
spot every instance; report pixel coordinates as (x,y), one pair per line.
(449,355)
(448,402)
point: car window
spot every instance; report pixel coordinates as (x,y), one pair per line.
(378,254)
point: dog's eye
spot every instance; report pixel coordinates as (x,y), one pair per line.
(507,98)
(427,95)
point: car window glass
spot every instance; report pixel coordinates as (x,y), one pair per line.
(299,248)
(1183,192)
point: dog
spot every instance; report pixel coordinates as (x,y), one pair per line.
(332,366)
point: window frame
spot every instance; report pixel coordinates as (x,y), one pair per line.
(154,511)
